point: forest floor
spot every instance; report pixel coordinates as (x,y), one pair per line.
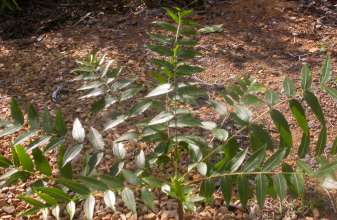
(265,39)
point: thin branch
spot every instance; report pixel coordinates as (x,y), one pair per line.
(241,174)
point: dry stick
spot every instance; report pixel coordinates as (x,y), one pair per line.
(82,18)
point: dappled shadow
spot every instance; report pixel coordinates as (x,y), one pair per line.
(31,69)
(265,33)
(38,17)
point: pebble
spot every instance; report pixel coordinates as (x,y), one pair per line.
(164,216)
(8,209)
(315,212)
(150,216)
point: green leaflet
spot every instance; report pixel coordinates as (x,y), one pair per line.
(163,63)
(10,130)
(211,29)
(41,163)
(13,176)
(56,193)
(306,77)
(160,90)
(334,146)
(255,160)
(313,102)
(261,189)
(289,87)
(326,71)
(220,134)
(161,50)
(272,97)
(24,158)
(326,169)
(166,26)
(275,160)
(31,201)
(71,153)
(187,53)
(65,171)
(33,117)
(162,117)
(259,136)
(4,162)
(25,136)
(237,161)
(129,200)
(303,149)
(219,107)
(280,184)
(98,105)
(243,189)
(54,143)
(321,142)
(30,212)
(15,157)
(129,93)
(305,167)
(249,99)
(93,183)
(130,177)
(60,125)
(47,121)
(140,107)
(207,189)
(16,112)
(188,70)
(73,186)
(38,142)
(226,188)
(332,92)
(148,198)
(297,181)
(282,125)
(299,115)
(50,201)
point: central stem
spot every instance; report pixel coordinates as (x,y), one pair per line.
(180,211)
(174,62)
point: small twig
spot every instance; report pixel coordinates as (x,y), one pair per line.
(83,18)
(332,201)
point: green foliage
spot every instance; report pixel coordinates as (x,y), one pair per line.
(11,5)
(157,119)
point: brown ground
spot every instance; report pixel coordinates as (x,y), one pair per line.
(263,38)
